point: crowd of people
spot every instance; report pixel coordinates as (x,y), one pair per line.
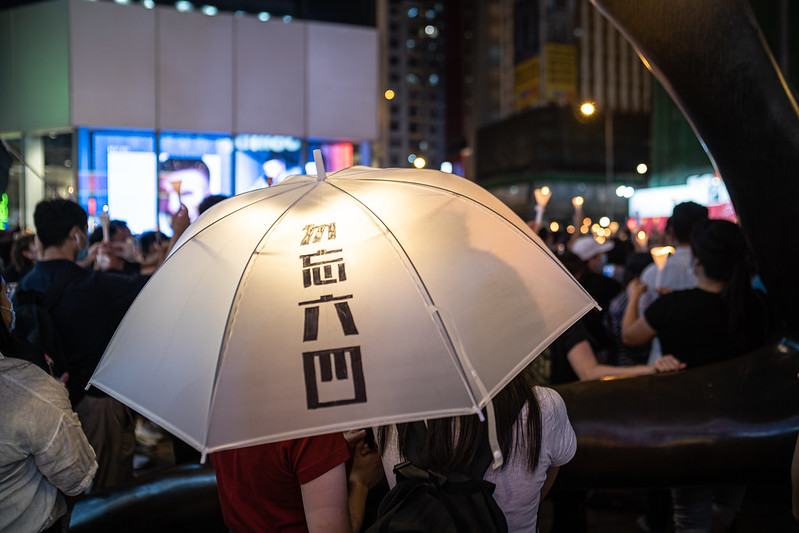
(699,308)
(60,440)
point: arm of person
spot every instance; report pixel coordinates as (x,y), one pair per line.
(668,363)
(180,222)
(552,473)
(67,460)
(635,330)
(367,472)
(332,503)
(325,502)
(583,361)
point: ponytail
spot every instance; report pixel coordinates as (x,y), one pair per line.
(721,249)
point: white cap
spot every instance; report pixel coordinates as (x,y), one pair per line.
(587,247)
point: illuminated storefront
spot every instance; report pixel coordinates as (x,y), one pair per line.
(114,105)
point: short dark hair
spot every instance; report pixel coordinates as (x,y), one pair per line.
(148,238)
(55,218)
(683,219)
(114,226)
(210,201)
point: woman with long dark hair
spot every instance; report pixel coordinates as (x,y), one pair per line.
(723,317)
(45,455)
(535,437)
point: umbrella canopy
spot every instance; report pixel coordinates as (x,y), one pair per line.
(317,305)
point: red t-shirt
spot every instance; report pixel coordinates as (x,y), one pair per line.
(259,486)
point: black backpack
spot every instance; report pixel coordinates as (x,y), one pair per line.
(428,500)
(35,328)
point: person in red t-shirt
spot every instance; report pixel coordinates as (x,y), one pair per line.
(297,485)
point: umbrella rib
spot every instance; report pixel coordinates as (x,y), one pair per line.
(454,355)
(257,200)
(540,245)
(236,298)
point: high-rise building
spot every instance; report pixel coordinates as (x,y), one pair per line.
(527,67)
(412,116)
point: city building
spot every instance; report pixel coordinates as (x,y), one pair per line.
(528,67)
(414,67)
(128,108)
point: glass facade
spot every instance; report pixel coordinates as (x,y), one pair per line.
(264,160)
(142,177)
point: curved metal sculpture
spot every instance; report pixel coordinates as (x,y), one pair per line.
(714,62)
(736,420)
(181,498)
(733,421)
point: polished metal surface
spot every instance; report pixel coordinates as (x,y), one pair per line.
(734,421)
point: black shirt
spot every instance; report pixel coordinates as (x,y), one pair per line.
(87,314)
(693,327)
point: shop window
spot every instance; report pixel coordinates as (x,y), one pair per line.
(266,160)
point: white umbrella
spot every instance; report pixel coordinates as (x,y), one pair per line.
(328,303)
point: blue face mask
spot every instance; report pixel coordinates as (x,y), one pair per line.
(82,252)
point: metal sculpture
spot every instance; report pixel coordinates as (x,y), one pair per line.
(738,420)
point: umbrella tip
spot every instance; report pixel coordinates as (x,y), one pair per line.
(320,165)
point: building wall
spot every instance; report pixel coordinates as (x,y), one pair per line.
(79,63)
(34,88)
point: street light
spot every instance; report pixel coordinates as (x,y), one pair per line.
(588,109)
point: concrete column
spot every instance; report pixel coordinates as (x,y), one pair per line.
(33,186)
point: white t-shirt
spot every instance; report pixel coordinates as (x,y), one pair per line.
(518,492)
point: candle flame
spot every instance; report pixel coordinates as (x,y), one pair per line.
(660,255)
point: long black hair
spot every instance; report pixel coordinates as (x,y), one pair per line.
(721,249)
(450,448)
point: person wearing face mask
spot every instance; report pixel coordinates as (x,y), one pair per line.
(85,315)
(46,457)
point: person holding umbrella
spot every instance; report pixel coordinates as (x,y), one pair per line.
(297,485)
(535,437)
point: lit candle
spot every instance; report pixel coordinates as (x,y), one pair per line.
(105,220)
(642,239)
(542,196)
(660,255)
(577,202)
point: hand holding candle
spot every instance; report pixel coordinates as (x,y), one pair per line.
(577,202)
(542,196)
(105,221)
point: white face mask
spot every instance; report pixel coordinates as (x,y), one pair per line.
(85,245)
